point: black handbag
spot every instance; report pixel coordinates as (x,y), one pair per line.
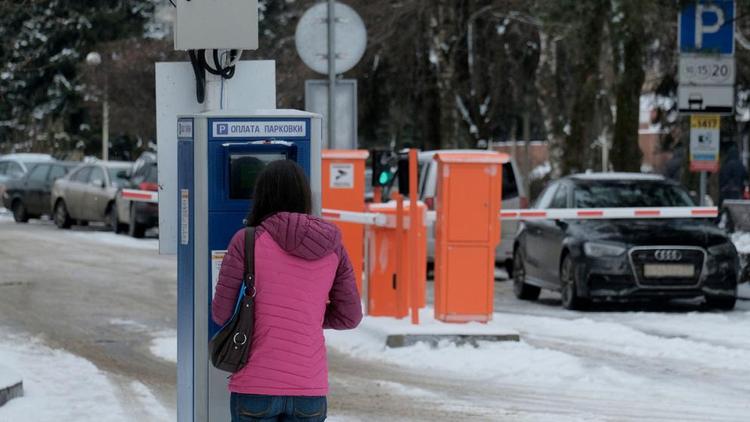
(230,347)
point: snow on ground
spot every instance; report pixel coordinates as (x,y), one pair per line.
(743,291)
(5,214)
(163,343)
(112,239)
(741,241)
(597,364)
(164,346)
(59,386)
(8,377)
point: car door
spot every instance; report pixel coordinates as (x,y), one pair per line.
(511,200)
(74,192)
(33,186)
(552,235)
(96,192)
(533,236)
(55,172)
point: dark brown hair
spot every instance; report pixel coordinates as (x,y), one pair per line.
(281,186)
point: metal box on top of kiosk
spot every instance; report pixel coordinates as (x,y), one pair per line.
(467,233)
(219,158)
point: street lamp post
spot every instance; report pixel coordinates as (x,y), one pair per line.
(94,59)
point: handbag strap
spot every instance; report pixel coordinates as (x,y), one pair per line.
(249,276)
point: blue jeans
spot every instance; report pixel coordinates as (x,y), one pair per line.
(258,408)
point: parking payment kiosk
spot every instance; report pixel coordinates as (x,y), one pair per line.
(219,158)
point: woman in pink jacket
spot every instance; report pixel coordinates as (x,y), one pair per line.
(304,283)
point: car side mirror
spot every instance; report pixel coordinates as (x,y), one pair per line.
(98,183)
(123,174)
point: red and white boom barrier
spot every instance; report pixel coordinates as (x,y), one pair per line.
(609,213)
(381,220)
(366,218)
(141,195)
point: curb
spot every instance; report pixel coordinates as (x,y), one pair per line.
(404,340)
(11,385)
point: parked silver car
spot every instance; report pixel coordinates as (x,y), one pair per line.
(513,197)
(87,193)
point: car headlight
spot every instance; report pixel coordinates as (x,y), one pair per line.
(598,250)
(722,249)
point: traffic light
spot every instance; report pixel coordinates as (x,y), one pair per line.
(403,173)
(382,169)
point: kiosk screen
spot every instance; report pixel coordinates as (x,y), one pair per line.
(244,170)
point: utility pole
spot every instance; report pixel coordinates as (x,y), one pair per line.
(331,74)
(94,59)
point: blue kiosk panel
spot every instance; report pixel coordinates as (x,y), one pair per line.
(219,161)
(238,150)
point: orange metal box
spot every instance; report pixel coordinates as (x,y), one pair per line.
(344,189)
(387,296)
(467,233)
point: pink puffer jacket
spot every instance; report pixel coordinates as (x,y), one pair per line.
(300,265)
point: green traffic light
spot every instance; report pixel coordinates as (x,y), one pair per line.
(384,178)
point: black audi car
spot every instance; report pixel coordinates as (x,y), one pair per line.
(625,258)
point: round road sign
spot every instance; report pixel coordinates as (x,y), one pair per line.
(311,38)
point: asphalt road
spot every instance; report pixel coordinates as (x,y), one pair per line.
(105,297)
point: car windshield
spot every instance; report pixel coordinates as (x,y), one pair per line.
(113,176)
(619,194)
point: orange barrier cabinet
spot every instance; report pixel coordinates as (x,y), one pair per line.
(343,185)
(388,285)
(467,233)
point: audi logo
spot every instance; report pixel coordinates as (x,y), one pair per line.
(667,255)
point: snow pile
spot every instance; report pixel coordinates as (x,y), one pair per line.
(598,364)
(59,386)
(5,214)
(741,241)
(491,360)
(8,377)
(164,346)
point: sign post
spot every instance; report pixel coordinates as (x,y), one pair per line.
(704,147)
(706,76)
(707,64)
(330,39)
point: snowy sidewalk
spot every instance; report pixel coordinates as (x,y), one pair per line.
(59,386)
(11,385)
(401,332)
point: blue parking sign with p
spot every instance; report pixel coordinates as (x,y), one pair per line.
(707,26)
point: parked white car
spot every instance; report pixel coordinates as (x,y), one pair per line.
(513,197)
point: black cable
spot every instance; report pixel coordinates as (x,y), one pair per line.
(172,3)
(200,75)
(218,70)
(201,66)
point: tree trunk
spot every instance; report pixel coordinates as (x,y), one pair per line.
(626,153)
(548,100)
